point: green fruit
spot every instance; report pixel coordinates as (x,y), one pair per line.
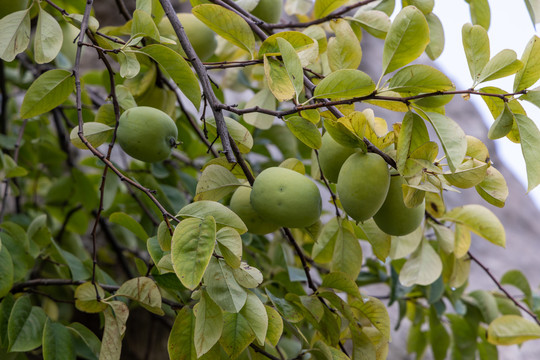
(394,218)
(332,155)
(287,198)
(200,36)
(146,134)
(241,205)
(269,10)
(363,184)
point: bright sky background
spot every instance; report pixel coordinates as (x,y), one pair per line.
(511,28)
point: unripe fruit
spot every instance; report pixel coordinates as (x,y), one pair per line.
(241,205)
(146,133)
(332,155)
(200,36)
(287,198)
(394,218)
(362,185)
(269,10)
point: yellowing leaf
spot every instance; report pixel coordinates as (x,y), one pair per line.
(255,313)
(375,311)
(298,40)
(469,174)
(305,131)
(86,298)
(530,72)
(344,51)
(325,7)
(476,45)
(374,22)
(227,24)
(406,40)
(278,79)
(493,188)
(208,324)
(479,220)
(145,291)
(512,329)
(237,334)
(292,65)
(416,79)
(238,132)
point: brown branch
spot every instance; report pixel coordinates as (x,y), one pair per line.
(231,64)
(506,293)
(17,147)
(335,15)
(203,78)
(123,9)
(263,352)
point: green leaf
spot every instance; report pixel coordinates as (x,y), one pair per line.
(470,173)
(129,65)
(15,35)
(346,83)
(76,20)
(325,7)
(292,65)
(129,223)
(299,41)
(380,242)
(215,183)
(25,325)
(237,334)
(512,329)
(493,188)
(377,314)
(86,298)
(57,342)
(402,246)
(344,51)
(115,326)
(48,38)
(223,287)
(142,23)
(96,134)
(6,269)
(479,220)
(263,99)
(476,44)
(530,72)
(503,64)
(533,7)
(406,40)
(86,342)
(422,268)
(47,92)
(502,125)
(323,249)
(222,214)
(192,247)
(125,98)
(305,131)
(227,24)
(238,132)
(143,290)
(375,22)
(287,309)
(178,69)
(181,345)
(517,278)
(278,79)
(275,325)
(436,37)
(255,313)
(480,13)
(208,324)
(416,79)
(363,348)
(347,256)
(230,246)
(530,147)
(452,138)
(342,282)
(248,276)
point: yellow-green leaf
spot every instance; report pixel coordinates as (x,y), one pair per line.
(222,286)
(346,83)
(480,12)
(493,188)
(278,79)
(422,268)
(406,40)
(512,329)
(215,183)
(298,40)
(145,291)
(416,79)
(374,22)
(191,249)
(530,72)
(503,64)
(292,65)
(15,34)
(222,214)
(471,173)
(95,133)
(208,324)
(325,7)
(476,45)
(344,51)
(530,147)
(238,132)
(86,298)
(227,24)
(263,99)
(305,131)
(48,38)
(129,223)
(436,36)
(479,220)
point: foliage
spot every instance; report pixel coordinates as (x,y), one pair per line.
(85,227)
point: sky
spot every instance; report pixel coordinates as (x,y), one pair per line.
(511,28)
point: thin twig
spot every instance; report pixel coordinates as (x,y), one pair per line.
(263,352)
(203,78)
(506,293)
(123,9)
(323,178)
